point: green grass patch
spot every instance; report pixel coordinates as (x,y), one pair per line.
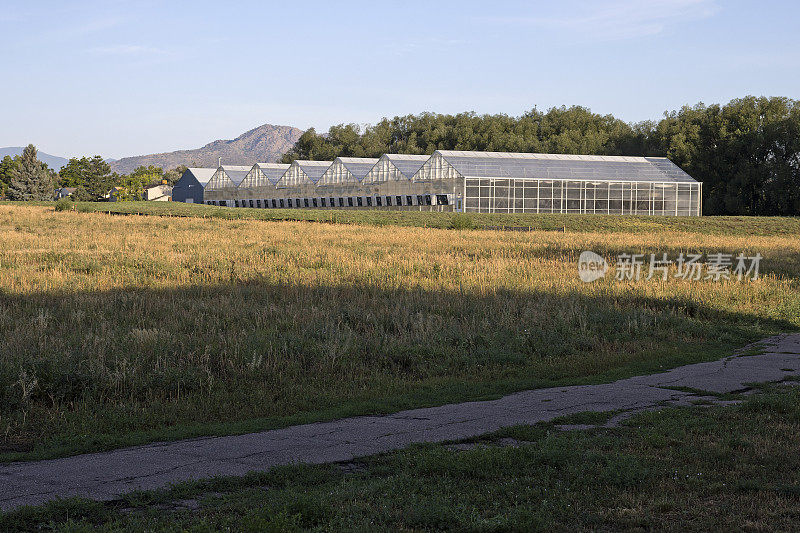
(716,225)
(713,468)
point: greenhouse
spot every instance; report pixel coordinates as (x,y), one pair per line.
(343,180)
(478,182)
(496,182)
(223,187)
(259,184)
(298,185)
(390,180)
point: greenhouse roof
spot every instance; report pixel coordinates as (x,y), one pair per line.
(202,174)
(313,169)
(273,171)
(236,173)
(407,164)
(358,166)
(564,166)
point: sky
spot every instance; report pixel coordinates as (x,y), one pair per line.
(122,78)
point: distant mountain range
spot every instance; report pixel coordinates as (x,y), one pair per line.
(262,144)
(53,161)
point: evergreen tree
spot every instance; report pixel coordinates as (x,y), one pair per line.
(7,165)
(30,179)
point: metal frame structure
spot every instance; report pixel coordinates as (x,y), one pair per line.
(480,182)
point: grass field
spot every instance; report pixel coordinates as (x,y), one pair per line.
(744,226)
(685,469)
(118,330)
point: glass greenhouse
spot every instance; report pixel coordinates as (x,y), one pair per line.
(553,183)
(480,182)
(259,184)
(223,187)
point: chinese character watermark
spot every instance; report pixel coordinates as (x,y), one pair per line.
(716,266)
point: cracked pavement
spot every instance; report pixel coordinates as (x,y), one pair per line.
(108,475)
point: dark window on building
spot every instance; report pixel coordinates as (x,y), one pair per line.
(305,202)
(223,203)
(252,203)
(349,201)
(427,199)
(389,201)
(441,199)
(290,202)
(420,200)
(258,204)
(399,200)
(323,203)
(273,203)
(369,201)
(313,202)
(208,202)
(360,201)
(379,201)
(409,201)
(341,202)
(333,202)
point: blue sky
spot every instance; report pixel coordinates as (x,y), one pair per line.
(121,78)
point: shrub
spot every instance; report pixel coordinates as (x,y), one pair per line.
(64,204)
(461,221)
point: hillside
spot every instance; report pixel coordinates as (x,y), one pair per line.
(265,143)
(53,161)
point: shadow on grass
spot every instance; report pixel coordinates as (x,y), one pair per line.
(88,371)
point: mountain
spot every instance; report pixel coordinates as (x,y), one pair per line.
(263,144)
(53,161)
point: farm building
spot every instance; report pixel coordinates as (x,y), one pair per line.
(65,192)
(190,187)
(479,182)
(158,193)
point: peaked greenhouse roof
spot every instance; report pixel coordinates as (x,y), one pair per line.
(393,167)
(347,170)
(563,166)
(273,171)
(264,174)
(228,176)
(235,173)
(303,173)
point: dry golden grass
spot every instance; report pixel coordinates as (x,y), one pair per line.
(113,326)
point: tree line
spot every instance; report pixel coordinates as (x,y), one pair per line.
(25,177)
(746,152)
